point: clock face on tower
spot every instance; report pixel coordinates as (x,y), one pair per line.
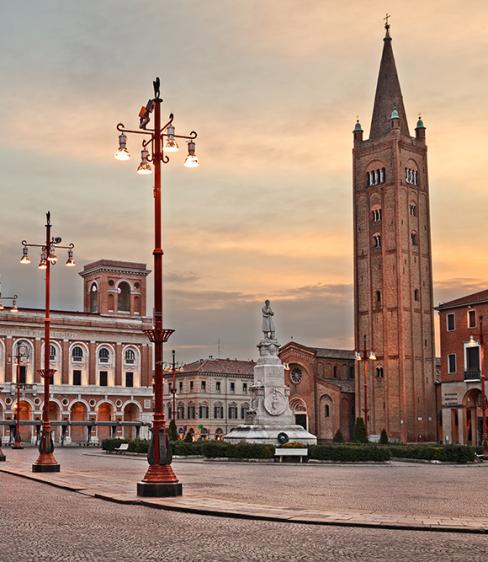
(296,375)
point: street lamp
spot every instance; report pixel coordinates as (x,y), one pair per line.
(473,343)
(172,368)
(46,462)
(364,356)
(160,479)
(21,356)
(13,308)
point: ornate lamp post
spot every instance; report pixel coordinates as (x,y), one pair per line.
(172,368)
(473,343)
(46,462)
(21,356)
(364,356)
(160,479)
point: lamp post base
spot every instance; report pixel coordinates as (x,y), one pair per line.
(46,467)
(159,489)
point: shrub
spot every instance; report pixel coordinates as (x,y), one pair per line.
(338,437)
(189,437)
(293,445)
(349,453)
(183,448)
(111,444)
(383,437)
(172,431)
(215,449)
(138,446)
(449,453)
(221,449)
(359,433)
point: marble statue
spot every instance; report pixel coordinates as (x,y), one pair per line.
(269,329)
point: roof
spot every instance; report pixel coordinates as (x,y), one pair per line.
(115,266)
(323,352)
(474,298)
(220,366)
(388,96)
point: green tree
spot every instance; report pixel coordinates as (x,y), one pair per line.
(172,431)
(359,434)
(338,437)
(384,437)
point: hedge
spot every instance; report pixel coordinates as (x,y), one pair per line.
(349,453)
(220,449)
(111,444)
(450,453)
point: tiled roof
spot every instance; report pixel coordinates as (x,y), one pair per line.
(334,353)
(220,366)
(474,298)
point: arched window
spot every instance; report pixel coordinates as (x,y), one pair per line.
(77,353)
(378,297)
(413,237)
(124,297)
(327,410)
(180,411)
(232,411)
(104,355)
(379,372)
(130,357)
(94,298)
(191,411)
(203,411)
(377,240)
(52,353)
(413,210)
(218,411)
(244,410)
(416,295)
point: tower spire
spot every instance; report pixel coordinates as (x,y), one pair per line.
(388,93)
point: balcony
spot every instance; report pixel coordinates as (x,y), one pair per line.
(472,375)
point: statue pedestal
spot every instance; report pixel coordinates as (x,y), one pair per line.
(270,413)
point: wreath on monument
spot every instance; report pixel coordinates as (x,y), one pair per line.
(282,438)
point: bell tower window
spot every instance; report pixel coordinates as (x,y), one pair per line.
(123,304)
(376,177)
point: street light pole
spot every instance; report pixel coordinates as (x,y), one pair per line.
(46,461)
(160,479)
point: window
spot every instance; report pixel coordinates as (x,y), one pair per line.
(180,385)
(77,378)
(123,290)
(334,371)
(376,215)
(413,210)
(451,363)
(379,372)
(327,411)
(244,387)
(104,355)
(378,297)
(191,386)
(411,176)
(375,177)
(52,353)
(473,359)
(77,353)
(416,295)
(218,411)
(244,410)
(232,411)
(377,240)
(232,386)
(413,238)
(203,386)
(203,411)
(351,372)
(103,378)
(471,318)
(94,298)
(191,412)
(129,379)
(217,386)
(180,412)
(130,357)
(451,325)
(23,374)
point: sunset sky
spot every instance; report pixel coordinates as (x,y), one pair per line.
(273,88)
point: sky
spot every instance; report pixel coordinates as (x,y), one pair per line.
(273,88)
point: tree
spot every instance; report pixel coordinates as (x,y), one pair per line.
(338,437)
(384,437)
(359,434)
(172,431)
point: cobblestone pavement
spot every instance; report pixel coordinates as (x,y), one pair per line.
(406,489)
(39,523)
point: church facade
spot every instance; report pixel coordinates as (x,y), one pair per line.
(393,267)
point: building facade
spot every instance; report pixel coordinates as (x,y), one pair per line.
(321,383)
(101,357)
(461,366)
(393,266)
(212,396)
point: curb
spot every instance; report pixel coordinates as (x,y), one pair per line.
(236,514)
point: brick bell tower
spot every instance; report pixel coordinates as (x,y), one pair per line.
(393,267)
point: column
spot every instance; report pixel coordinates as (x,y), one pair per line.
(118,364)
(37,360)
(92,363)
(65,362)
(145,366)
(8,359)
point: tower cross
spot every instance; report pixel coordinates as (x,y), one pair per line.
(386,18)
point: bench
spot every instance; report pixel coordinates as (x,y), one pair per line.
(281,452)
(121,448)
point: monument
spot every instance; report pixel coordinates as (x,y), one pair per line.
(269,419)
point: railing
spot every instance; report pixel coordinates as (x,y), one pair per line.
(472,375)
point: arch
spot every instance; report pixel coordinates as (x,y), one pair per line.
(78,412)
(105,412)
(85,354)
(123,296)
(135,355)
(376,239)
(233,412)
(326,416)
(472,413)
(219,434)
(132,412)
(25,409)
(93,296)
(104,354)
(55,360)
